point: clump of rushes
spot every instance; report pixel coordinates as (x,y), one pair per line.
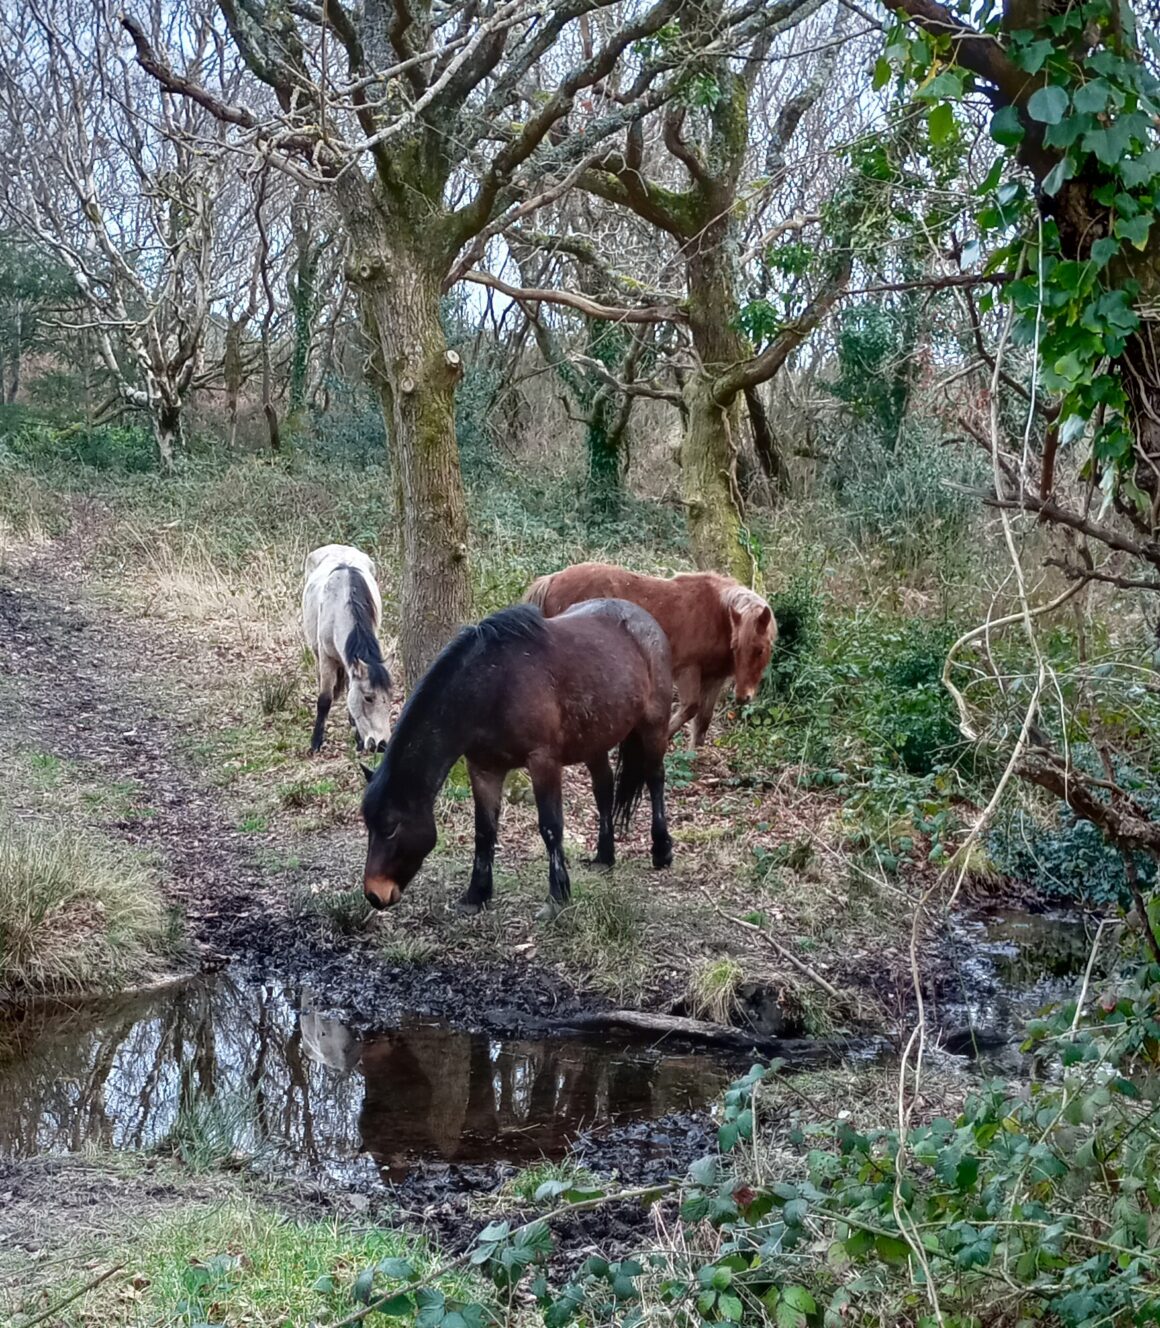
(77,913)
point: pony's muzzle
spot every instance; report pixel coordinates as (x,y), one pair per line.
(381,893)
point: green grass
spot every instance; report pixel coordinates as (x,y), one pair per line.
(214,1132)
(600,933)
(404,949)
(276,691)
(713,989)
(344,911)
(76,912)
(525,1184)
(239,1263)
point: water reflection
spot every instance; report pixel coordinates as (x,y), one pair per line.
(119,1075)
(1008,966)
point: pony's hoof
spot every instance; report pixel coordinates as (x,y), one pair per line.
(662,856)
(599,864)
(550,912)
(468,908)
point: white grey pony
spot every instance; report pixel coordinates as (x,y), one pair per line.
(341,612)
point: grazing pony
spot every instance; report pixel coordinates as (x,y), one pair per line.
(513,691)
(341,610)
(717,628)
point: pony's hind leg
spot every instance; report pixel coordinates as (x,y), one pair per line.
(603,786)
(327,679)
(487,789)
(662,843)
(550,805)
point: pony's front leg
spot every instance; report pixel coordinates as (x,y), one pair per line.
(487,789)
(705,709)
(603,789)
(688,685)
(550,805)
(327,681)
(662,843)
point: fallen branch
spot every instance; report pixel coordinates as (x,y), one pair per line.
(788,955)
(54,1310)
(700,1030)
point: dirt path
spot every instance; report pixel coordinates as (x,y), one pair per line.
(82,682)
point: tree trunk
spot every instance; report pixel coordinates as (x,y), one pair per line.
(765,442)
(709,483)
(167,431)
(305,301)
(416,374)
(709,448)
(11,384)
(603,457)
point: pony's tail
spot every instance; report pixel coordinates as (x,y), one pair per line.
(631,777)
(537,592)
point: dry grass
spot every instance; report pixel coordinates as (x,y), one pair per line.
(713,989)
(76,913)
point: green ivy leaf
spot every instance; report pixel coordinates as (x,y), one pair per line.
(1093,97)
(1060,172)
(882,73)
(1007,128)
(1104,250)
(1048,105)
(941,123)
(800,1299)
(1031,58)
(1135,229)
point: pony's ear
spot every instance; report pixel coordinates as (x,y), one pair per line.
(358,669)
(368,773)
(764,618)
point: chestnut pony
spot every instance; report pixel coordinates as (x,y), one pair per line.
(717,628)
(517,690)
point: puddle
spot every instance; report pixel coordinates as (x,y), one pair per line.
(1006,966)
(302,1087)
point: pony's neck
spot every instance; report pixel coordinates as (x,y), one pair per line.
(428,742)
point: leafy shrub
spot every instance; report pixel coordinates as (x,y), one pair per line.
(898,493)
(120,448)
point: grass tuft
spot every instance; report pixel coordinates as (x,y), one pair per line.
(404,949)
(345,911)
(276,692)
(601,932)
(76,913)
(713,990)
(524,1185)
(212,1133)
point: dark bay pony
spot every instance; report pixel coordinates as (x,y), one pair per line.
(717,628)
(519,691)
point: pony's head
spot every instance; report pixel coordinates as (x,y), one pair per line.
(753,632)
(399,837)
(368,699)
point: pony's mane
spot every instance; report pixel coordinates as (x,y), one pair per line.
(362,641)
(736,596)
(519,623)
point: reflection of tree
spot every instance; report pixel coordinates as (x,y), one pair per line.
(466,1099)
(118,1075)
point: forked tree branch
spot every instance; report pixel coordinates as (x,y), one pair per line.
(590,308)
